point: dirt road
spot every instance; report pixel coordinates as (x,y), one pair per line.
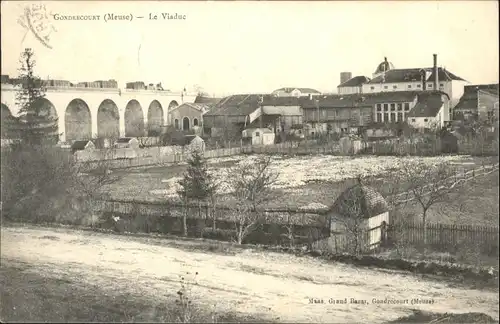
(271,286)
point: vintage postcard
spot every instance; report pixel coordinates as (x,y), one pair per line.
(249,161)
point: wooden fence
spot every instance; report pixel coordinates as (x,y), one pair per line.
(447,237)
(277,226)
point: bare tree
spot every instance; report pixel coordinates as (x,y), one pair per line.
(252,188)
(428,185)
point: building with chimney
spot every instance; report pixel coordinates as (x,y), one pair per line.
(388,78)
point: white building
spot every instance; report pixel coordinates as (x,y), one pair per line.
(260,136)
(353,85)
(430,112)
(387,78)
(295,92)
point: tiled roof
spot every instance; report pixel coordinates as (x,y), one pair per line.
(79,145)
(444,75)
(469,99)
(206,100)
(360,99)
(123,140)
(412,75)
(306,90)
(428,105)
(242,105)
(236,105)
(355,82)
(360,201)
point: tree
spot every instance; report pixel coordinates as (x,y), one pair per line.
(251,184)
(428,185)
(36,125)
(196,185)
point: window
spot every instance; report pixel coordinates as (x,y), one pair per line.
(429,85)
(413,120)
(409,86)
(386,117)
(195,122)
(407,106)
(378,118)
(176,124)
(400,117)
(372,88)
(386,107)
(393,117)
(418,85)
(441,85)
(379,107)
(426,120)
(257,134)
(400,107)
(385,87)
(394,86)
(393,107)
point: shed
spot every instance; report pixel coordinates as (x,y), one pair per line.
(359,213)
(260,136)
(82,145)
(127,142)
(194,142)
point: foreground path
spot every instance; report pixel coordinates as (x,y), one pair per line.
(272,286)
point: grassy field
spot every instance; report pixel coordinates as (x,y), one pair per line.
(321,179)
(68,275)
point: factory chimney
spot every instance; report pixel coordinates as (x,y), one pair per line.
(423,78)
(345,76)
(436,77)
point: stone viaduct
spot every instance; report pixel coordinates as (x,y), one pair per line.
(86,113)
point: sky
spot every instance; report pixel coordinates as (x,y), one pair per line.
(243,47)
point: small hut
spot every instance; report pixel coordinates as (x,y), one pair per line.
(82,146)
(127,142)
(357,219)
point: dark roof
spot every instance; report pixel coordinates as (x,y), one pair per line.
(428,105)
(444,75)
(307,90)
(242,105)
(206,100)
(469,99)
(355,82)
(189,138)
(123,140)
(79,145)
(360,99)
(360,201)
(412,75)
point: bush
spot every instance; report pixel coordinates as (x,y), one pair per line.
(36,183)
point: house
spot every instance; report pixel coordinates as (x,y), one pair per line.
(235,113)
(336,113)
(479,102)
(259,136)
(188,116)
(358,210)
(430,111)
(353,85)
(194,142)
(295,92)
(127,142)
(387,78)
(82,145)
